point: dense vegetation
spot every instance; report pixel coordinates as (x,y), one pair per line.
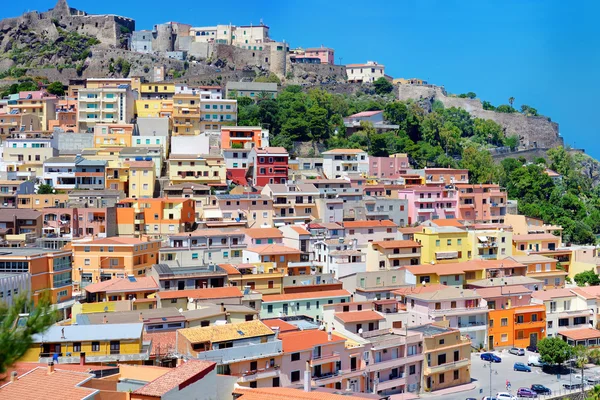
(444,138)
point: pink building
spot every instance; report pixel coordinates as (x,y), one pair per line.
(429,202)
(78,222)
(260,236)
(481,203)
(370,231)
(388,167)
(326,55)
(504,297)
(446,176)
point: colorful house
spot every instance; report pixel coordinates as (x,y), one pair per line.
(392,254)
(244,137)
(269,165)
(155,216)
(308,304)
(447,244)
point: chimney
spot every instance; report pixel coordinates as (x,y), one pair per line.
(82,358)
(307,378)
(13,376)
(104,319)
(329,336)
(276,330)
(141,317)
(50,367)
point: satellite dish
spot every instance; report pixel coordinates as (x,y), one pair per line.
(181,310)
(133,299)
(190,300)
(360,331)
(322,327)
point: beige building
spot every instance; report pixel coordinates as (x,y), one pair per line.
(392,254)
(186,114)
(38,103)
(369,72)
(490,244)
(141,179)
(292,203)
(201,169)
(108,103)
(23,156)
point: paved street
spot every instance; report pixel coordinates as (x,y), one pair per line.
(480,374)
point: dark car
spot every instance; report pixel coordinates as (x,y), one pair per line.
(572,386)
(524,392)
(532,348)
(541,389)
(491,357)
(521,367)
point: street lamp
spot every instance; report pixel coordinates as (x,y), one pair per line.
(491,370)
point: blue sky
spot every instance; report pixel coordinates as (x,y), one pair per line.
(545,53)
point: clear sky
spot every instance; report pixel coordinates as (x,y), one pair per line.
(544,53)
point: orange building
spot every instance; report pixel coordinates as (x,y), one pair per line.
(161,216)
(102,259)
(113,135)
(66,116)
(286,258)
(243,137)
(481,203)
(516,327)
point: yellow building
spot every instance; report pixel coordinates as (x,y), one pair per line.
(37,103)
(186,114)
(535,242)
(153,108)
(391,254)
(264,278)
(39,201)
(154,99)
(447,360)
(201,169)
(113,135)
(445,244)
(96,344)
(141,179)
(117,176)
(490,244)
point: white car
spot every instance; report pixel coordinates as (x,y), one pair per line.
(505,396)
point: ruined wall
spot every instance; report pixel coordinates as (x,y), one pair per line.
(315,73)
(239,58)
(532,131)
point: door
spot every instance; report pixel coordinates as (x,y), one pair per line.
(180,285)
(276,382)
(490,343)
(253,366)
(353,364)
(533,338)
(285,308)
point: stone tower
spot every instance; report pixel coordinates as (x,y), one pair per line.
(61,8)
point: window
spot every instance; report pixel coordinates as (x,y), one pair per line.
(295,377)
(449,242)
(270,284)
(95,346)
(437,243)
(441,377)
(504,337)
(504,322)
(270,309)
(459,241)
(412,369)
(576,320)
(76,347)
(456,374)
(442,341)
(491,323)
(295,357)
(563,322)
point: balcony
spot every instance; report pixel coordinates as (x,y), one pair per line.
(447,366)
(426,200)
(250,376)
(574,313)
(391,383)
(69,358)
(327,378)
(325,359)
(487,245)
(239,353)
(466,205)
(459,311)
(403,255)
(425,210)
(472,326)
(393,363)
(530,324)
(487,256)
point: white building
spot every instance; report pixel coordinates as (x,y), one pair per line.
(338,163)
(340,257)
(12,285)
(246,36)
(105,105)
(568,308)
(369,72)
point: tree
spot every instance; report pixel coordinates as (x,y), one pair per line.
(56,88)
(511,100)
(488,106)
(480,164)
(589,278)
(504,108)
(16,332)
(45,189)
(529,111)
(554,350)
(488,131)
(512,142)
(383,86)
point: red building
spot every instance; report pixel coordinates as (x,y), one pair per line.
(269,165)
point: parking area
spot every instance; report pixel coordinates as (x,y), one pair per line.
(503,371)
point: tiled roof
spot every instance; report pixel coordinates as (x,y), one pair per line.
(273,249)
(358,316)
(271,150)
(300,230)
(589,292)
(551,294)
(448,222)
(192,370)
(115,285)
(419,289)
(39,384)
(575,334)
(395,244)
(535,236)
(369,224)
(222,333)
(281,324)
(23,367)
(497,291)
(304,340)
(306,295)
(202,294)
(111,241)
(263,233)
(365,114)
(162,342)
(230,269)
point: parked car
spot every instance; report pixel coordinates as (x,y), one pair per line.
(532,349)
(525,392)
(572,386)
(521,367)
(487,398)
(505,396)
(516,351)
(540,389)
(535,361)
(491,357)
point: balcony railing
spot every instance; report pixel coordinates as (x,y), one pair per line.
(448,366)
(458,310)
(325,358)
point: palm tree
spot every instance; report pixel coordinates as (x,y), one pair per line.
(511,100)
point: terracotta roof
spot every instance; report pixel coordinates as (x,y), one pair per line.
(202,294)
(306,295)
(395,244)
(498,291)
(23,367)
(281,324)
(230,269)
(575,334)
(535,236)
(365,114)
(222,333)
(192,371)
(263,233)
(123,285)
(419,289)
(305,340)
(162,342)
(273,249)
(369,224)
(448,222)
(111,241)
(358,316)
(39,384)
(449,293)
(280,393)
(410,229)
(272,150)
(141,164)
(300,230)
(551,294)
(589,292)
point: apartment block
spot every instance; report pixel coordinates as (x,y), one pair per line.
(292,203)
(155,216)
(105,103)
(338,163)
(481,203)
(244,137)
(200,169)
(269,165)
(392,254)
(37,103)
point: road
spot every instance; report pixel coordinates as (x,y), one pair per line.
(501,372)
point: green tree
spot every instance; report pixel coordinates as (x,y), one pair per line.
(480,164)
(396,113)
(488,106)
(16,331)
(512,142)
(511,100)
(56,88)
(383,86)
(488,131)
(529,111)
(554,350)
(587,278)
(504,108)
(45,189)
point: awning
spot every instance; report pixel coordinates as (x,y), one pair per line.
(482,239)
(212,214)
(446,255)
